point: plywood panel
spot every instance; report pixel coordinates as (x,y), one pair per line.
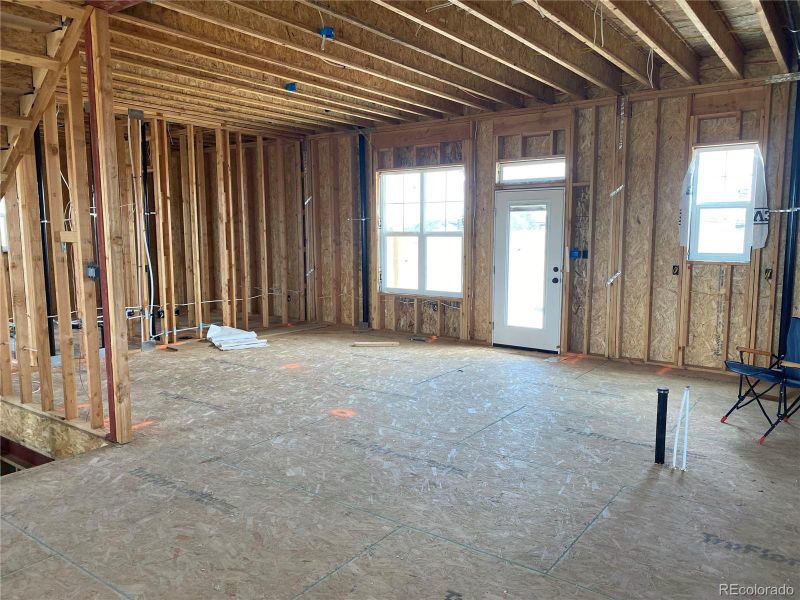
(579,268)
(638,223)
(707,316)
(602,228)
(671,165)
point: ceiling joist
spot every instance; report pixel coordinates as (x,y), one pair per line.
(716,32)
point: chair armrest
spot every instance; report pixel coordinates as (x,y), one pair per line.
(788,363)
(752,351)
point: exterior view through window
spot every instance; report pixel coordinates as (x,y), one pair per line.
(422,231)
(722,201)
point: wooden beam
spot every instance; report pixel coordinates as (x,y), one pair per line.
(544,37)
(772,25)
(203,212)
(424,95)
(65,9)
(33,260)
(461,28)
(220,231)
(160,192)
(244,221)
(355,41)
(39,61)
(14,121)
(405,34)
(46,90)
(652,29)
(60,260)
(83,251)
(142,280)
(110,225)
(716,31)
(19,302)
(186,232)
(579,20)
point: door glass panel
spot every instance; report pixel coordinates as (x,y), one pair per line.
(527,237)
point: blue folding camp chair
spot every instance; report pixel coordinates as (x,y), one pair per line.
(783,372)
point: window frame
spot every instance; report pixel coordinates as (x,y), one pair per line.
(421,236)
(692,253)
(531,181)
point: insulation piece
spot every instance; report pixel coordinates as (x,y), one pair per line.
(230,338)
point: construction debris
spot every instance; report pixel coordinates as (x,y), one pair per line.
(230,338)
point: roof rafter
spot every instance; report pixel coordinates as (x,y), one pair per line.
(647,24)
(357,40)
(771,24)
(265,62)
(220,15)
(403,32)
(464,29)
(545,38)
(716,32)
(578,19)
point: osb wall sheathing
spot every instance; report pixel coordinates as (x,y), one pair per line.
(335,202)
(661,308)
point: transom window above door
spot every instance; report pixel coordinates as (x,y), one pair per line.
(422,231)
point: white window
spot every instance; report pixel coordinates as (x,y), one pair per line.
(422,231)
(532,171)
(723,192)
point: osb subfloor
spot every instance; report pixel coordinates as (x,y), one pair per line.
(318,470)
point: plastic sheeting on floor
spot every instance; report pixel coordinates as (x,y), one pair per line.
(230,338)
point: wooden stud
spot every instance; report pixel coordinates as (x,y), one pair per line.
(6,383)
(83,251)
(142,275)
(221,229)
(465,321)
(194,231)
(19,304)
(60,262)
(590,234)
(244,213)
(261,200)
(283,258)
(232,221)
(110,230)
(34,276)
(652,232)
(203,212)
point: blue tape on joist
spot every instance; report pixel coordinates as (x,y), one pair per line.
(326,32)
(291,87)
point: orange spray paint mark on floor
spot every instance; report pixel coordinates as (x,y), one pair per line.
(342,412)
(291,366)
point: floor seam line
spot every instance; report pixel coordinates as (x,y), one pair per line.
(585,529)
(66,558)
(474,433)
(347,562)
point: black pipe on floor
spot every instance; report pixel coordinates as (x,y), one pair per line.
(48,292)
(362,186)
(790,248)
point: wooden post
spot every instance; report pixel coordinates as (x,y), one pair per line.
(245,226)
(263,246)
(32,248)
(110,224)
(165,250)
(60,263)
(220,231)
(18,297)
(188,198)
(83,251)
(143,278)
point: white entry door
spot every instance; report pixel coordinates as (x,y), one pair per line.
(528,263)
